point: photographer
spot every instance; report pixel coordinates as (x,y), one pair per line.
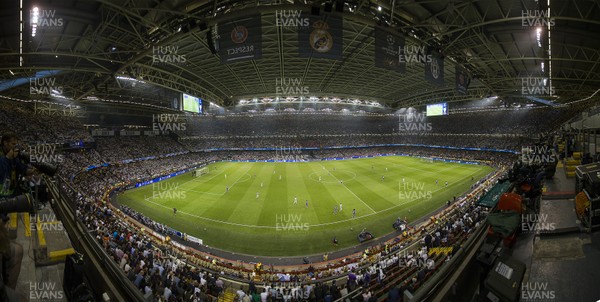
(11,170)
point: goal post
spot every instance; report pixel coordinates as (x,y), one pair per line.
(200,171)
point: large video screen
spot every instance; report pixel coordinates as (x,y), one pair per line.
(192,104)
(437,109)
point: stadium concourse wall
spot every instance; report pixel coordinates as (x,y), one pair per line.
(180,242)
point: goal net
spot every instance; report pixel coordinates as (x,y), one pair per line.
(427,159)
(200,172)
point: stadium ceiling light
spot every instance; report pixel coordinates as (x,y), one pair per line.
(35,14)
(130,79)
(58,96)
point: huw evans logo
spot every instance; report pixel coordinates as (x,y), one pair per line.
(538,155)
(413,123)
(536,291)
(536,86)
(167,54)
(47,222)
(289,153)
(290,222)
(406,259)
(532,223)
(44,86)
(536,18)
(168,122)
(45,154)
(284,293)
(290,87)
(413,190)
(167,190)
(166,262)
(413,54)
(290,18)
(45,291)
(44,18)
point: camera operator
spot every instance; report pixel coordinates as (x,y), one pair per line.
(11,170)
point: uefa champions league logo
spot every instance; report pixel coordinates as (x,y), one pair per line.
(435,69)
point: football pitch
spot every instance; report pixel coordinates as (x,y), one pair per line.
(289,209)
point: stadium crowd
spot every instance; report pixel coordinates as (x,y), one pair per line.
(139,258)
(163,278)
(157,276)
(98,180)
(522,122)
(483,141)
(156,269)
(120,148)
(40,128)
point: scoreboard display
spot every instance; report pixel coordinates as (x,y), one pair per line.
(437,109)
(192,104)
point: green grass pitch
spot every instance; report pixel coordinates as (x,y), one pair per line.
(257,214)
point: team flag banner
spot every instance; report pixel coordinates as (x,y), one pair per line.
(434,67)
(240,40)
(387,50)
(462,80)
(322,38)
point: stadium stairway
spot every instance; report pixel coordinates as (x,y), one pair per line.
(177,139)
(227,296)
(571,164)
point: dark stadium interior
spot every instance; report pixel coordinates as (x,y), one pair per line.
(98,97)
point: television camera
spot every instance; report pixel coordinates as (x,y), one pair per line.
(18,204)
(44,168)
(365,236)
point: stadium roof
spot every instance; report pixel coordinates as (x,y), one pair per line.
(500,44)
